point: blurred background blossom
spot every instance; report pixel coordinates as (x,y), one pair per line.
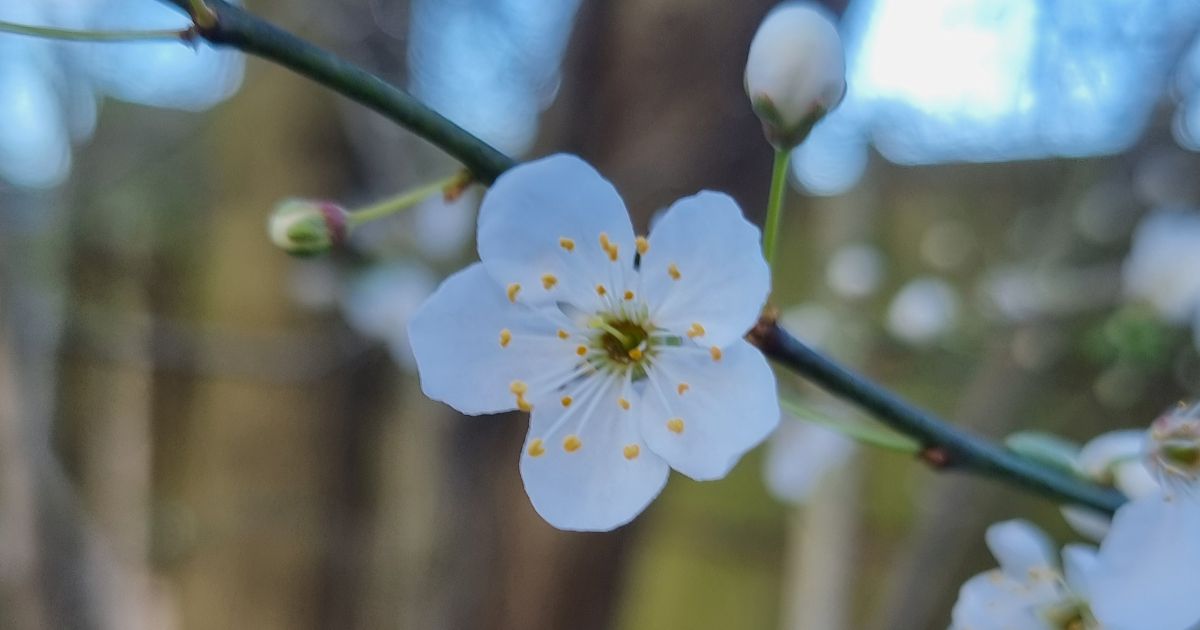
(196,431)
(53,92)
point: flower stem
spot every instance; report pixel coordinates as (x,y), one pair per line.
(775,206)
(405,200)
(48,32)
(886,440)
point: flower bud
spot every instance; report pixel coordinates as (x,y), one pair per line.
(1174,446)
(307,227)
(796,71)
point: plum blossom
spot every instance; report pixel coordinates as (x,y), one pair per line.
(1111,459)
(50,92)
(627,350)
(1146,568)
(1029,591)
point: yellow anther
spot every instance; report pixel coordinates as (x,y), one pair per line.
(631,451)
(566,243)
(567,400)
(513,290)
(624,403)
(562,334)
(628,296)
(518,387)
(695,331)
(635,354)
(572,443)
(643,245)
(548,281)
(609,247)
(581,350)
(673,271)
(601,291)
(683,387)
(675,425)
(523,404)
(505,337)
(715,352)
(536,449)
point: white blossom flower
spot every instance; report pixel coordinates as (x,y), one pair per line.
(1028,591)
(1162,263)
(796,70)
(1146,570)
(627,350)
(1112,459)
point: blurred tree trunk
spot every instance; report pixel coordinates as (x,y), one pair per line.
(246,428)
(944,545)
(22,606)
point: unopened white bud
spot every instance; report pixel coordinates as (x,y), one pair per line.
(306,227)
(796,71)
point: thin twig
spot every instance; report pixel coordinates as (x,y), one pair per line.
(244,31)
(944,445)
(74,35)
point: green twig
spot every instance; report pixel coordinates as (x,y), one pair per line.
(65,34)
(400,202)
(244,31)
(944,446)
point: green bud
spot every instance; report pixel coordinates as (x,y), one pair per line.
(307,227)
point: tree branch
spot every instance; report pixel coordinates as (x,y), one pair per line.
(232,26)
(945,446)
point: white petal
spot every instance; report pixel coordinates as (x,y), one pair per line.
(727,408)
(1101,454)
(995,601)
(529,210)
(1079,564)
(1089,523)
(1147,566)
(1135,480)
(607,480)
(455,337)
(723,279)
(1021,548)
